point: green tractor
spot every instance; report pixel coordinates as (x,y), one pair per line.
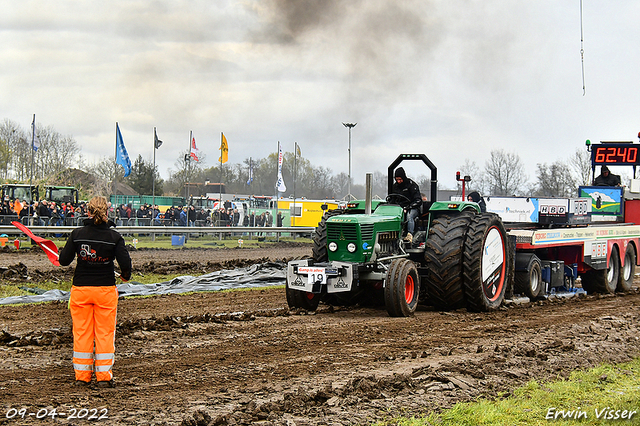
(61,194)
(459,257)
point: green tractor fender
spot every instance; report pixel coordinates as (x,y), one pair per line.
(439,208)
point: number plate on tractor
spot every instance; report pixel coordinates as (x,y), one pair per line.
(334,277)
(314,274)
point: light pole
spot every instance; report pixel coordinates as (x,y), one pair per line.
(350,126)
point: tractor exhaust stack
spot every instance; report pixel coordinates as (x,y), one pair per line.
(368,196)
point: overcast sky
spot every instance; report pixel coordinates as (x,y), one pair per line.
(452,79)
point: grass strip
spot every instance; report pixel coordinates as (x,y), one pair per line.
(604,395)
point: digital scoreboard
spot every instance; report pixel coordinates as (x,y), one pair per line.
(615,154)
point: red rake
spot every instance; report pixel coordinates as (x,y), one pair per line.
(48,246)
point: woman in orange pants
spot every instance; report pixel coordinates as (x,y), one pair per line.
(94,296)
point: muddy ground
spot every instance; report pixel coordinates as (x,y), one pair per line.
(244,358)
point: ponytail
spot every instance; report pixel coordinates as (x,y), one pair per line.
(97,208)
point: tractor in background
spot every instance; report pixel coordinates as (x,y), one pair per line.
(61,194)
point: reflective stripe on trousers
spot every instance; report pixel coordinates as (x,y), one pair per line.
(93,311)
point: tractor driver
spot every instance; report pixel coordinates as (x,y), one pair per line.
(409,189)
(606,178)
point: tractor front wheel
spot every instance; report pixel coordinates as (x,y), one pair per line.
(297,299)
(319,249)
(402,288)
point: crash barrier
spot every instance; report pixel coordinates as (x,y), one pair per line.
(42,221)
(78,221)
(217,231)
(167,222)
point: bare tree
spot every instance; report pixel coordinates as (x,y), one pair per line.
(187,170)
(340,184)
(471,169)
(504,173)
(5,158)
(16,138)
(105,173)
(56,152)
(580,164)
(322,180)
(555,181)
(380,185)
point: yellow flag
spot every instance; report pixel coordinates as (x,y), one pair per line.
(224,150)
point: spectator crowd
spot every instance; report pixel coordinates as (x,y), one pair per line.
(50,213)
(42,213)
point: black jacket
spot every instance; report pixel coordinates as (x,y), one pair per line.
(96,246)
(476,198)
(409,189)
(611,180)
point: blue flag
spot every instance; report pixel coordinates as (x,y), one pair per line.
(122,157)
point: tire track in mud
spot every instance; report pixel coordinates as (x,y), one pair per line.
(243,357)
(351,366)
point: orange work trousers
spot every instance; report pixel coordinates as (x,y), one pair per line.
(93,311)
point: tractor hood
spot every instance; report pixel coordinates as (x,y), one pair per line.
(352,237)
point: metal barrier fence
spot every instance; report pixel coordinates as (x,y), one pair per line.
(216,231)
(42,221)
(78,221)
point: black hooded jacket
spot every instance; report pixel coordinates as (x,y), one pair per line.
(96,246)
(609,180)
(476,198)
(408,188)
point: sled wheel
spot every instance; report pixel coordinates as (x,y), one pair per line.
(628,271)
(443,260)
(484,263)
(401,288)
(530,282)
(297,299)
(603,280)
(319,249)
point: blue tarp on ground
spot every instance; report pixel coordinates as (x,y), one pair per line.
(262,275)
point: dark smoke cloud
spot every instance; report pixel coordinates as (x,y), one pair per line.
(293,18)
(383,46)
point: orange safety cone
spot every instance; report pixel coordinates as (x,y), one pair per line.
(16,243)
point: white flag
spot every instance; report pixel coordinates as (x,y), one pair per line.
(280,184)
(34,137)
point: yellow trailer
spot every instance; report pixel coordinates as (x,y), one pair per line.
(305,212)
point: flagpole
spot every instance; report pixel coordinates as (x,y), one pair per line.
(277,170)
(277,165)
(188,171)
(153,180)
(295,154)
(33,141)
(220,184)
(115,168)
(250,180)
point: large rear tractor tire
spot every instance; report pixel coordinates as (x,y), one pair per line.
(402,288)
(628,271)
(442,285)
(603,280)
(529,282)
(297,299)
(484,265)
